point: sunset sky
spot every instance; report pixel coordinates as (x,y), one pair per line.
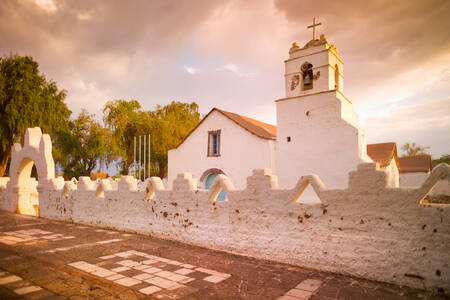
(229,54)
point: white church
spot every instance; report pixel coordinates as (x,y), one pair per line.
(317,131)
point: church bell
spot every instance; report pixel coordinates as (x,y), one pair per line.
(308,80)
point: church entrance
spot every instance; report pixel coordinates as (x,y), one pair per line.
(208,182)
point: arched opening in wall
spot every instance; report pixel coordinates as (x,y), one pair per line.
(336,77)
(208,178)
(307,76)
(100,193)
(28,196)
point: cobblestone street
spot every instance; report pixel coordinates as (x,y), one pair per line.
(43,259)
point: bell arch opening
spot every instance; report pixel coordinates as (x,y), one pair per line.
(307,76)
(28,196)
(336,77)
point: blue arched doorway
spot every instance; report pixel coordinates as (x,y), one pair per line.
(208,182)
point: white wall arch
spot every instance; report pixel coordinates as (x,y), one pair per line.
(37,150)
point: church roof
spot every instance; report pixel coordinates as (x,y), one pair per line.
(419,163)
(383,153)
(255,127)
(258,128)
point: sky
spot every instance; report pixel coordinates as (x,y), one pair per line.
(230,54)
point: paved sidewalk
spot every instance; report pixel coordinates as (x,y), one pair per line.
(43,259)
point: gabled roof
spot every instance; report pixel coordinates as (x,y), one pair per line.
(258,128)
(255,127)
(383,153)
(419,163)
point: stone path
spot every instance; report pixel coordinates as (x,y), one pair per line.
(43,259)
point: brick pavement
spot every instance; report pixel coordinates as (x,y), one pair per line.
(44,259)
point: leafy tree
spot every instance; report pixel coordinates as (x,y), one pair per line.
(411,149)
(27,99)
(168,126)
(123,119)
(84,146)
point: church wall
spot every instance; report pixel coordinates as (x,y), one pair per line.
(368,230)
(322,142)
(413,180)
(416,179)
(393,174)
(240,151)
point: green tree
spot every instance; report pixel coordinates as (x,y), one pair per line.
(83,147)
(168,126)
(27,99)
(123,118)
(411,149)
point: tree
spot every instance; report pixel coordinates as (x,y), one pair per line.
(123,119)
(411,149)
(27,99)
(168,126)
(83,147)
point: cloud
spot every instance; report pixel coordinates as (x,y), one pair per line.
(395,52)
(47,5)
(413,123)
(191,70)
(231,67)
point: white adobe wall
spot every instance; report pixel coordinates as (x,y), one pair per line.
(416,179)
(324,139)
(240,151)
(368,230)
(393,174)
(413,179)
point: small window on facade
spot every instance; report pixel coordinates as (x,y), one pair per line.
(214,143)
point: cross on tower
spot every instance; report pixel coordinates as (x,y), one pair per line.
(313,26)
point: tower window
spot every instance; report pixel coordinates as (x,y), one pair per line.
(307,76)
(336,77)
(214,143)
(288,139)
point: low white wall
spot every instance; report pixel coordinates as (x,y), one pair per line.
(368,230)
(416,179)
(412,180)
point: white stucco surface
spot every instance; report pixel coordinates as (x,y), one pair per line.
(322,142)
(369,229)
(240,151)
(413,179)
(416,179)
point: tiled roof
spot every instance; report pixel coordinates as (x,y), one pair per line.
(419,163)
(258,128)
(383,153)
(255,127)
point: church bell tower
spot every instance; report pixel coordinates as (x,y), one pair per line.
(317,128)
(314,68)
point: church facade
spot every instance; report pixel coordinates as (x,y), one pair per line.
(317,131)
